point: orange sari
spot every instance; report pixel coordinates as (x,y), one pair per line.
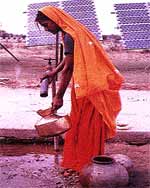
(95,93)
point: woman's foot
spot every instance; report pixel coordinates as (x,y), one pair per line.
(68,172)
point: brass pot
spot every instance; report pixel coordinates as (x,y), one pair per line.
(53,125)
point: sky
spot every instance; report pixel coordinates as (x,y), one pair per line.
(13,20)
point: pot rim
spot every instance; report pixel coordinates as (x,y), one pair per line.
(104,159)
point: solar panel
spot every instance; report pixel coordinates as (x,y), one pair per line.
(125,6)
(134,24)
(83,11)
(131,20)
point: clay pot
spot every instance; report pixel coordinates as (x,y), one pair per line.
(123,160)
(103,172)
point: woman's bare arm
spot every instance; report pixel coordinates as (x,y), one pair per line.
(66,75)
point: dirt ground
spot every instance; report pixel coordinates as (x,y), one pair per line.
(134,66)
(26,165)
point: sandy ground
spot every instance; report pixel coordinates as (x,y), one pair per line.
(133,65)
(37,166)
(36,169)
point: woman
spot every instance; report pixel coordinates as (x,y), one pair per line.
(95,100)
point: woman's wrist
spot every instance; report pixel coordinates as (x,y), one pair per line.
(59,95)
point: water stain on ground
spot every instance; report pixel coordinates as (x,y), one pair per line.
(38,166)
(33,166)
(23,149)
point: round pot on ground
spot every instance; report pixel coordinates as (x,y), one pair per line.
(103,172)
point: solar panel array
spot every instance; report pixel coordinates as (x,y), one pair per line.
(82,10)
(134,24)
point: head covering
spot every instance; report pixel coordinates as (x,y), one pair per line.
(41,17)
(94,75)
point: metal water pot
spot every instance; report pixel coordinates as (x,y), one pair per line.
(53,125)
(103,172)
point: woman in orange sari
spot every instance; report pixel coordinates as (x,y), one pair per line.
(95,99)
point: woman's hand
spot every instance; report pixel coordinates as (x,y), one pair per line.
(48,74)
(57,103)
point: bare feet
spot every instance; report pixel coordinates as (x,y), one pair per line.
(68,172)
